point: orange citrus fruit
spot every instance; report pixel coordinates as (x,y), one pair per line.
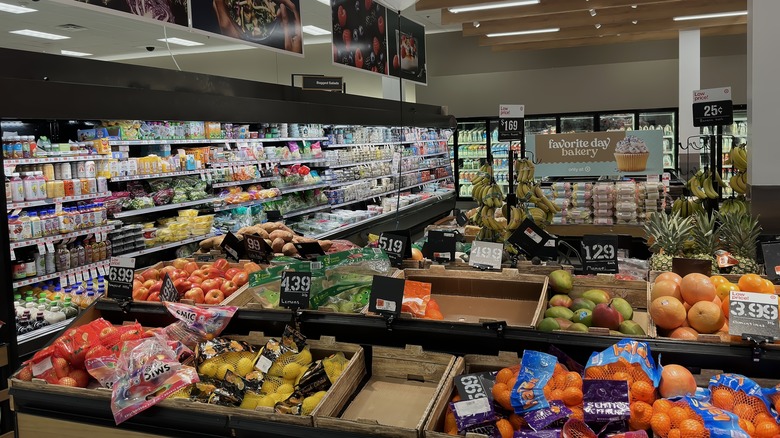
(747,426)
(449,421)
(504,375)
(768,287)
(642,391)
(677,415)
(661,424)
(573,380)
(706,317)
(572,396)
(673,433)
(766,429)
(697,287)
(667,312)
(641,416)
(692,429)
(578,413)
(750,283)
(517,422)
(556,394)
(717,280)
(505,428)
(669,276)
(744,410)
(661,406)
(725,289)
(723,398)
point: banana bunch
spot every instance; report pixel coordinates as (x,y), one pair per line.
(487,216)
(738,183)
(516,216)
(492,196)
(481,182)
(734,206)
(700,185)
(739,158)
(687,207)
(487,235)
(525,170)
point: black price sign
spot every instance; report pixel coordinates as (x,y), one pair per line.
(273,215)
(257,249)
(120,277)
(440,245)
(771,251)
(395,247)
(712,107)
(461,218)
(472,386)
(683,267)
(205,258)
(599,254)
(309,250)
(387,295)
(295,290)
(486,254)
(168,291)
(233,247)
(753,314)
(530,238)
(511,122)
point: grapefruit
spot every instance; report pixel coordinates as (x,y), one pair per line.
(665,288)
(723,290)
(416,254)
(667,312)
(676,381)
(685,333)
(669,276)
(706,317)
(697,287)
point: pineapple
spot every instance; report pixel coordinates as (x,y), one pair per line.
(706,239)
(666,236)
(740,234)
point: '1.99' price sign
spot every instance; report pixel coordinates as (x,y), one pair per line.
(120,277)
(295,289)
(753,314)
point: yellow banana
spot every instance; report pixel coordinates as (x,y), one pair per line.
(708,189)
(719,179)
(694,186)
(739,158)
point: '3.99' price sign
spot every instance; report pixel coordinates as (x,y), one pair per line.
(120,277)
(599,254)
(753,314)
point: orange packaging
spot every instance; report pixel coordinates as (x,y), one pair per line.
(416,297)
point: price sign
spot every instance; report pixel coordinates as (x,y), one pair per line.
(232,247)
(530,238)
(461,218)
(599,254)
(486,254)
(295,290)
(753,314)
(273,215)
(478,385)
(205,258)
(168,291)
(395,247)
(387,295)
(440,245)
(712,107)
(257,249)
(511,122)
(309,250)
(120,277)
(771,251)
(683,267)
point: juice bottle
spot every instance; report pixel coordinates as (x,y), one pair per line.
(35,225)
(82,258)
(62,261)
(74,257)
(26,227)
(69,189)
(76,186)
(17,188)
(14,228)
(30,186)
(41,181)
(25,146)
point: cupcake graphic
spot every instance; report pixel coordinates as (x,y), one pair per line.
(631,154)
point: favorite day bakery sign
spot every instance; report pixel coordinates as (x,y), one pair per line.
(598,153)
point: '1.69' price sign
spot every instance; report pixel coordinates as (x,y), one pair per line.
(753,314)
(511,122)
(120,277)
(295,290)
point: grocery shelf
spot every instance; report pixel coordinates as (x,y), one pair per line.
(425,182)
(143,211)
(285,190)
(337,166)
(294,139)
(378,143)
(219,164)
(302,160)
(210,141)
(60,159)
(343,204)
(82,269)
(245,182)
(436,154)
(406,172)
(346,183)
(480,157)
(305,211)
(245,204)
(17,205)
(58,237)
(157,175)
(32,341)
(166,246)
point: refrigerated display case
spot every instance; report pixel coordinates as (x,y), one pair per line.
(617,122)
(734,134)
(541,125)
(663,121)
(472,142)
(499,151)
(572,124)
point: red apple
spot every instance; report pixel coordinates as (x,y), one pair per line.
(167,270)
(342,14)
(230,273)
(215,273)
(403,52)
(214,296)
(240,279)
(195,279)
(180,263)
(376,46)
(141,294)
(180,273)
(182,285)
(148,284)
(396,64)
(220,281)
(346,35)
(205,266)
(154,296)
(151,274)
(221,264)
(228,288)
(209,284)
(156,287)
(139,277)
(358,58)
(137,284)
(195,294)
(380,23)
(191,267)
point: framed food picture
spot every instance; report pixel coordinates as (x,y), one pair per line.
(406,49)
(166,11)
(360,35)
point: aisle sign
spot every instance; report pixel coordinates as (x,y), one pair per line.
(232,247)
(712,107)
(387,295)
(599,254)
(120,277)
(486,255)
(257,249)
(771,251)
(440,245)
(753,314)
(511,122)
(168,291)
(295,289)
(395,246)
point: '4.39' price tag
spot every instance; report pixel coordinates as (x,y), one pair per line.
(295,290)
(753,314)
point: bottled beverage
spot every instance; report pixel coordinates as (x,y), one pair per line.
(74,257)
(62,261)
(30,186)
(35,225)
(55,315)
(17,148)
(78,299)
(24,324)
(69,309)
(17,188)
(33,146)
(82,258)
(40,263)
(30,268)
(25,146)
(26,227)
(41,182)
(14,228)
(48,172)
(41,321)
(89,299)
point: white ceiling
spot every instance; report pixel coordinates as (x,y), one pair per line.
(113,37)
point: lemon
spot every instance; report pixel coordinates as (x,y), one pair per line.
(208,368)
(291,371)
(223,369)
(285,389)
(309,403)
(267,401)
(244,366)
(249,402)
(304,357)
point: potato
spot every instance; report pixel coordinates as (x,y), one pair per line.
(325,244)
(301,239)
(289,249)
(261,232)
(272,226)
(206,244)
(269,242)
(246,230)
(281,234)
(278,244)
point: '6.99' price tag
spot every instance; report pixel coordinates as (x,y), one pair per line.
(120,277)
(295,290)
(753,314)
(486,255)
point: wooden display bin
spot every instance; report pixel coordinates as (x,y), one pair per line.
(523,267)
(476,297)
(398,397)
(471,363)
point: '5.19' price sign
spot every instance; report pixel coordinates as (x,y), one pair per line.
(753,314)
(395,246)
(120,277)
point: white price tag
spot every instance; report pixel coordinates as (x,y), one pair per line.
(13,255)
(203,176)
(49,247)
(486,254)
(16,212)
(123,262)
(754,314)
(102,270)
(58,208)
(64,281)
(79,276)
(41,248)
(71,279)
(93,273)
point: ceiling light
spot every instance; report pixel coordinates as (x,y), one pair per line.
(314,30)
(633,6)
(598,26)
(180,42)
(523,32)
(487,6)
(72,53)
(706,16)
(592,12)
(36,34)
(14,9)
(477,24)
(635,22)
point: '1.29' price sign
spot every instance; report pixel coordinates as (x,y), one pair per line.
(295,290)
(120,277)
(486,254)
(599,254)
(753,314)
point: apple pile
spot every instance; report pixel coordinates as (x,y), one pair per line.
(202,283)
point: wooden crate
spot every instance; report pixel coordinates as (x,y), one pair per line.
(523,267)
(477,297)
(471,363)
(399,396)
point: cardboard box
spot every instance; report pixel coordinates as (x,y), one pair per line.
(476,297)
(398,397)
(471,363)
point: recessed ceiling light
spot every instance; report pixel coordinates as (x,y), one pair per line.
(523,32)
(72,53)
(36,34)
(592,12)
(706,16)
(634,6)
(487,6)
(635,21)
(14,9)
(180,42)
(598,25)
(314,30)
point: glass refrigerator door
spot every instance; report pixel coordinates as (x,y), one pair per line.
(616,122)
(541,125)
(500,152)
(662,121)
(734,134)
(472,152)
(576,124)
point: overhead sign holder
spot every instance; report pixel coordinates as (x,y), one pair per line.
(323,83)
(511,122)
(713,107)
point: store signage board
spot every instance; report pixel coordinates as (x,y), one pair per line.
(771,251)
(120,277)
(486,255)
(594,153)
(753,314)
(600,254)
(323,83)
(233,247)
(295,289)
(395,246)
(510,122)
(257,249)
(360,35)
(713,107)
(530,238)
(406,47)
(387,295)
(168,291)
(683,267)
(440,245)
